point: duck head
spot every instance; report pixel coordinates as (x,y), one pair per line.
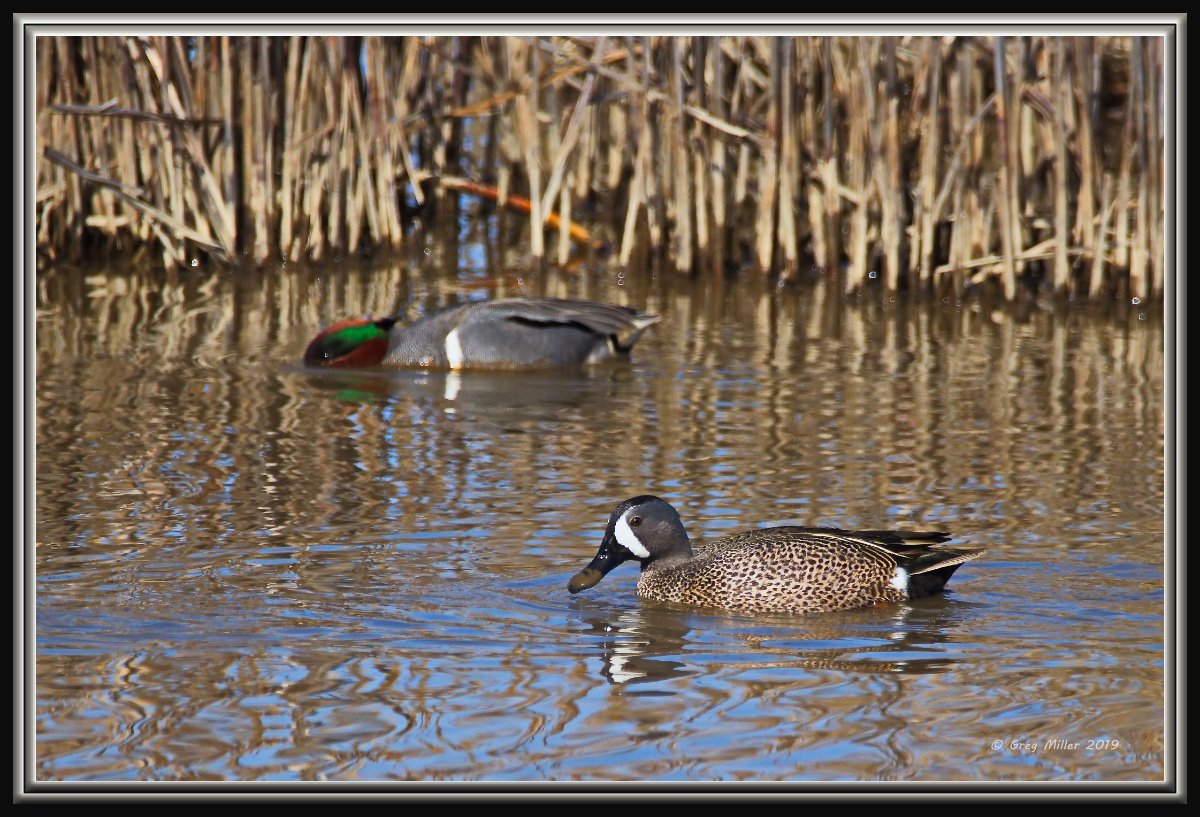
(644,528)
(354,342)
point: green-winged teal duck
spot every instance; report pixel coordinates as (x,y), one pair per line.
(785,569)
(516,333)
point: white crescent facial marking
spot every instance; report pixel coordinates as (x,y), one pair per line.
(629,541)
(901,580)
(454,351)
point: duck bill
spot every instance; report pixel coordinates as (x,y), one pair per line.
(609,556)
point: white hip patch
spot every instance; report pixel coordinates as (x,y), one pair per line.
(901,580)
(454,351)
(629,540)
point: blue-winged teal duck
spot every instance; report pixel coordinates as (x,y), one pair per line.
(785,569)
(517,333)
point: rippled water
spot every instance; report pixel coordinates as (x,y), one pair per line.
(247,570)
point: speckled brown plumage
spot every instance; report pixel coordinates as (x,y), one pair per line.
(780,570)
(783,569)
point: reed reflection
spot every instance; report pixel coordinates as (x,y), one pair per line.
(245,569)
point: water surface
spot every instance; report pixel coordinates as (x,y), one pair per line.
(246,570)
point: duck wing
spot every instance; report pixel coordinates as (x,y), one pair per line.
(606,320)
(916,551)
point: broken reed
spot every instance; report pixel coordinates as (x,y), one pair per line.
(932,162)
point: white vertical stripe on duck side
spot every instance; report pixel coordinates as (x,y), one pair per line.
(454,351)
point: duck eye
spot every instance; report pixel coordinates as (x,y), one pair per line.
(635,522)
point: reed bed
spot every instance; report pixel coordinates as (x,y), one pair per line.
(932,163)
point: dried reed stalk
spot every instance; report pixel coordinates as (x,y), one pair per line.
(941,158)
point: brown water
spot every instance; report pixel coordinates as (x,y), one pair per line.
(247,570)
